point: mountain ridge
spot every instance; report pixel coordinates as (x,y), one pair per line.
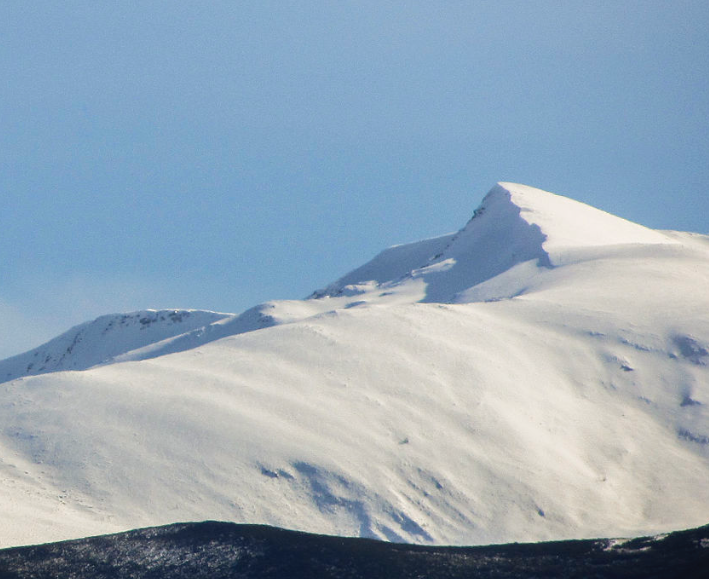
(102,340)
(516,233)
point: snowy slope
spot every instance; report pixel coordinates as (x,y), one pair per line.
(541,374)
(103,339)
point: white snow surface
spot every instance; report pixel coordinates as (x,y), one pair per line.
(541,374)
(103,340)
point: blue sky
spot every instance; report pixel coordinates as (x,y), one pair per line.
(219,154)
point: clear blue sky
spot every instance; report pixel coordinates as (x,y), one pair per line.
(219,154)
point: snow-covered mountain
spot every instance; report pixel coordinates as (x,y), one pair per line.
(543,373)
(103,340)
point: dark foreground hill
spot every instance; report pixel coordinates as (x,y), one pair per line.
(226,550)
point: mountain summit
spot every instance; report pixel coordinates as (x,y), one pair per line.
(515,224)
(563,222)
(543,373)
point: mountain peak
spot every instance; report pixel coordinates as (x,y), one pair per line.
(514,224)
(566,223)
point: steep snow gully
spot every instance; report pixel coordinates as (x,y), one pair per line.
(543,373)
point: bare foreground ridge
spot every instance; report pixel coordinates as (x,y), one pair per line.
(228,551)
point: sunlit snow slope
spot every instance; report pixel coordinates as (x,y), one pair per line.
(541,374)
(103,340)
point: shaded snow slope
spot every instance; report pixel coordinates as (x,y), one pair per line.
(391,264)
(100,341)
(565,394)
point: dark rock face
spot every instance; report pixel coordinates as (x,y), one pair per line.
(225,550)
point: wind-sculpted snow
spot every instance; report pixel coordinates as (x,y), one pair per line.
(519,384)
